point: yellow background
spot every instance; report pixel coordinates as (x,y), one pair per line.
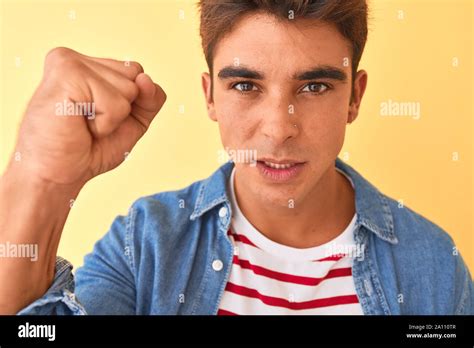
(409,57)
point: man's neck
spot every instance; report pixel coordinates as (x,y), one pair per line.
(322,216)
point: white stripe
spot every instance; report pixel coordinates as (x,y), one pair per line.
(301,268)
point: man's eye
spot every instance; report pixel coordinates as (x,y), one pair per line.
(315,87)
(244,87)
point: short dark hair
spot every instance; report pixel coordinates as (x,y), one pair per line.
(349,16)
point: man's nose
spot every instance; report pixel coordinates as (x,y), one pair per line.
(279,120)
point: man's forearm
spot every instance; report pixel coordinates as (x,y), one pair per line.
(32,214)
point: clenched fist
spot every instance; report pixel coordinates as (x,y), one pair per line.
(86,114)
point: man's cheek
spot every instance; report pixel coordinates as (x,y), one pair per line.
(230,135)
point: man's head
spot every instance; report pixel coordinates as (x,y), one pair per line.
(283,81)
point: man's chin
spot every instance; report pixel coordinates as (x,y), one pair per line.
(277,196)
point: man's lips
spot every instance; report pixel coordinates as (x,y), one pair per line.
(282,172)
(279,163)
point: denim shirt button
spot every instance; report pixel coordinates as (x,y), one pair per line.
(223,212)
(217,265)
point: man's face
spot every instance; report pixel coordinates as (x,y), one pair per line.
(269,76)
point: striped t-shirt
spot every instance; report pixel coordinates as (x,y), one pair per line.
(271,278)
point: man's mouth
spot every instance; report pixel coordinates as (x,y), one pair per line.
(279,166)
(279,170)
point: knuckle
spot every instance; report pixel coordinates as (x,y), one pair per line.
(58,54)
(61,59)
(137,66)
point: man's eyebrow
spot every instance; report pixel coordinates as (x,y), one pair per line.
(324,71)
(240,71)
(318,72)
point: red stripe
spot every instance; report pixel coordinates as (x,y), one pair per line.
(224,312)
(331,258)
(280,302)
(241,238)
(290,278)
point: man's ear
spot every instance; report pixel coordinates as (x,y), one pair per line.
(360,83)
(207,89)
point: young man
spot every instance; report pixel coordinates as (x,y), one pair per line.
(289,230)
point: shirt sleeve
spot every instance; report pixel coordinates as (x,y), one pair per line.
(59,299)
(104,285)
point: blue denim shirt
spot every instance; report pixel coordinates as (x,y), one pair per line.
(158,259)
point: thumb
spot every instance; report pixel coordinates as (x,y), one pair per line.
(149,101)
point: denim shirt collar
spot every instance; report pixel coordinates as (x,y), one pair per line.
(373,211)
